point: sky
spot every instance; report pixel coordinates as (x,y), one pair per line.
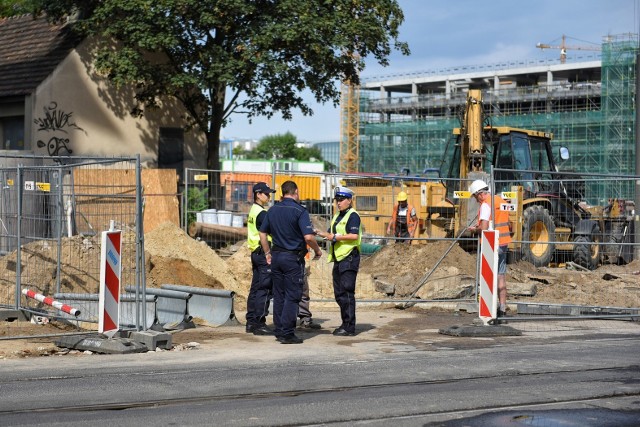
(451,33)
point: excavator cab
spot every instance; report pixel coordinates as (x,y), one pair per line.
(526,154)
(529,158)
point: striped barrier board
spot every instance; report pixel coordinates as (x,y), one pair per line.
(488,298)
(110,271)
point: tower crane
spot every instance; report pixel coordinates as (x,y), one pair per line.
(349,127)
(564,46)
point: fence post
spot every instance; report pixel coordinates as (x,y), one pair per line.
(19,189)
(636,218)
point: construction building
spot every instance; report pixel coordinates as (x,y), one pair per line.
(587,102)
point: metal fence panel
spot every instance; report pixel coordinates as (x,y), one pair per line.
(52,213)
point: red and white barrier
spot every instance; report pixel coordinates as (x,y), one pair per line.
(50,301)
(110,270)
(488,298)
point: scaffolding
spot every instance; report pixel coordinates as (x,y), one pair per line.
(594,119)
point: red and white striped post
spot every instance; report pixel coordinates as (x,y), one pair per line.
(50,301)
(110,270)
(488,301)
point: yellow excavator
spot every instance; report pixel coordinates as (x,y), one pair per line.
(549,221)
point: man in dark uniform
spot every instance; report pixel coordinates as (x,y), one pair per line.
(289,225)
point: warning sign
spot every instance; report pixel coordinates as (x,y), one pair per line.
(461,195)
(43,186)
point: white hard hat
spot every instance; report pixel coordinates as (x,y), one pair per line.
(478,185)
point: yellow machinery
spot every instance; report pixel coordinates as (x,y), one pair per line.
(546,214)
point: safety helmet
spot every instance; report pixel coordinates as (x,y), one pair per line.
(402,196)
(478,185)
(343,192)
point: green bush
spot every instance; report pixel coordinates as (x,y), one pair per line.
(197,201)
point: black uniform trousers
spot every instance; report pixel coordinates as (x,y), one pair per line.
(344,288)
(260,290)
(287,274)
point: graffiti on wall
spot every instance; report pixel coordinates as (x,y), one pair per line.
(56,124)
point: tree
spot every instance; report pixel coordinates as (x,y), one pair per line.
(222,57)
(283,147)
(15,7)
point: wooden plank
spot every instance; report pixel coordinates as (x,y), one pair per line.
(106,194)
(102,195)
(161,202)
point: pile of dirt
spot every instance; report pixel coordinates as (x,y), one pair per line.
(405,266)
(175,258)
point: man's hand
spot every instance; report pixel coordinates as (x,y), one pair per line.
(318,254)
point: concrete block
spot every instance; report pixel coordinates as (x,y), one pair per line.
(385,287)
(10,315)
(101,344)
(152,339)
(480,331)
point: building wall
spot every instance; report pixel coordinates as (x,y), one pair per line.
(77,112)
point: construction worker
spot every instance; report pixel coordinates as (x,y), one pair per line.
(480,191)
(404,220)
(260,290)
(345,234)
(290,227)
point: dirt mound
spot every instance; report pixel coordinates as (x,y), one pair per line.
(201,266)
(406,265)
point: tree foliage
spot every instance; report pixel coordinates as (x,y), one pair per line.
(15,7)
(283,147)
(220,57)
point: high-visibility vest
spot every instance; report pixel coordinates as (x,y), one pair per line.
(341,249)
(253,234)
(501,222)
(411,222)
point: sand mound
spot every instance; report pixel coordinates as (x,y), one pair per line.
(177,258)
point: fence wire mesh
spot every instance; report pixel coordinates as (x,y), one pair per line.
(52,214)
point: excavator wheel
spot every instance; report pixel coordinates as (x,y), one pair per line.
(586,252)
(539,230)
(613,249)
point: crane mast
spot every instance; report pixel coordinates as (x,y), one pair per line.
(349,127)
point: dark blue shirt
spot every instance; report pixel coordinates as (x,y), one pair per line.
(287,222)
(353,223)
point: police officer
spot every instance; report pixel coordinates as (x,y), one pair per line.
(260,290)
(345,233)
(291,231)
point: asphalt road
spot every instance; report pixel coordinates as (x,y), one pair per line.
(398,370)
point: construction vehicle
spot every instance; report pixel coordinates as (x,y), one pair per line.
(548,215)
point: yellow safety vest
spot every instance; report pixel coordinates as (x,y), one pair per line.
(253,234)
(343,248)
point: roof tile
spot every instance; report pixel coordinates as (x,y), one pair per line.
(31,49)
